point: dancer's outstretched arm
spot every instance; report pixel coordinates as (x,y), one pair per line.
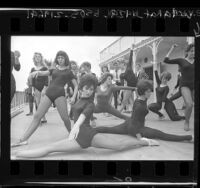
(116,88)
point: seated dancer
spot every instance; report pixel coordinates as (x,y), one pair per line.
(187,81)
(163,102)
(104,93)
(54,93)
(82,134)
(130,79)
(135,126)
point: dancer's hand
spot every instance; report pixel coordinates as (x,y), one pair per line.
(72,100)
(174,45)
(34,74)
(17,54)
(74,133)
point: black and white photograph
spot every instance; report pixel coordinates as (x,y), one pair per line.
(102,98)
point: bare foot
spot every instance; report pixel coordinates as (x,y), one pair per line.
(186,126)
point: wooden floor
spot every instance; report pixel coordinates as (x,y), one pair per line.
(54,130)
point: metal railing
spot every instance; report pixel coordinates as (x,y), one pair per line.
(18,102)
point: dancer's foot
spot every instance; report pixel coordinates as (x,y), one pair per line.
(29,114)
(44,121)
(186,126)
(19,143)
(150,142)
(161,117)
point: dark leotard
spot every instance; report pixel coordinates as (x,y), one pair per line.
(186,69)
(59,79)
(17,68)
(161,94)
(86,132)
(129,75)
(103,101)
(40,81)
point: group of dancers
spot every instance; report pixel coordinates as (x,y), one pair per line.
(88,96)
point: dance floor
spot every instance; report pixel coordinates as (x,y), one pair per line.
(55,130)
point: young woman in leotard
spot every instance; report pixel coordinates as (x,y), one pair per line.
(104,94)
(40,83)
(82,134)
(163,102)
(135,126)
(54,93)
(187,81)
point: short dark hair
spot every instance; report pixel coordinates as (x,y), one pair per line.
(105,66)
(143,86)
(88,80)
(166,75)
(105,76)
(189,47)
(66,57)
(86,64)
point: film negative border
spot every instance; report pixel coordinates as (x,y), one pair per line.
(103,22)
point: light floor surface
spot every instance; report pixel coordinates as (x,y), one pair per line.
(55,130)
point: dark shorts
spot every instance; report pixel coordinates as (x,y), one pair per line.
(85,136)
(187,84)
(54,92)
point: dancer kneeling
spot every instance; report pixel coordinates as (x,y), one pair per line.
(82,134)
(135,126)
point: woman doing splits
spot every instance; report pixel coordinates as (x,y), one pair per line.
(40,83)
(187,80)
(82,134)
(163,102)
(135,126)
(54,93)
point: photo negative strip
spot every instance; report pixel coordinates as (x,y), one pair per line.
(116,102)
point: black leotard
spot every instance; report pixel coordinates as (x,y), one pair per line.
(86,133)
(186,69)
(161,92)
(40,81)
(129,75)
(17,68)
(59,79)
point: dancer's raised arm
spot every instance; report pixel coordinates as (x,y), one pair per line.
(171,49)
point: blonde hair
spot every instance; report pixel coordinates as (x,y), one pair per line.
(42,60)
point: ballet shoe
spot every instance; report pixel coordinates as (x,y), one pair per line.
(161,117)
(150,142)
(19,144)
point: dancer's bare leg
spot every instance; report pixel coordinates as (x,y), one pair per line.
(42,109)
(187,96)
(38,96)
(61,105)
(105,141)
(64,145)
